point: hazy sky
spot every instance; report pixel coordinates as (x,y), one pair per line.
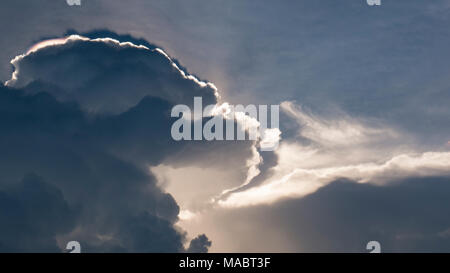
(364,155)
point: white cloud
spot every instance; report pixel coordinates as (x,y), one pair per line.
(338,148)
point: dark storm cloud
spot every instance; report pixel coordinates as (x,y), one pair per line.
(33,212)
(52,139)
(95,165)
(405,216)
(199,244)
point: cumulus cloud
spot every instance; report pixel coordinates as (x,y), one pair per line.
(200,244)
(52,139)
(93,141)
(105,75)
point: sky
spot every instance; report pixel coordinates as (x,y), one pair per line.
(85,126)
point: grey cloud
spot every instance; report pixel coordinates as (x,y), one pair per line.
(33,212)
(404,216)
(49,138)
(408,216)
(200,244)
(88,157)
(97,152)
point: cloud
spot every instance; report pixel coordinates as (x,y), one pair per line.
(406,215)
(200,244)
(300,182)
(33,213)
(52,139)
(112,141)
(326,149)
(341,132)
(96,155)
(105,75)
